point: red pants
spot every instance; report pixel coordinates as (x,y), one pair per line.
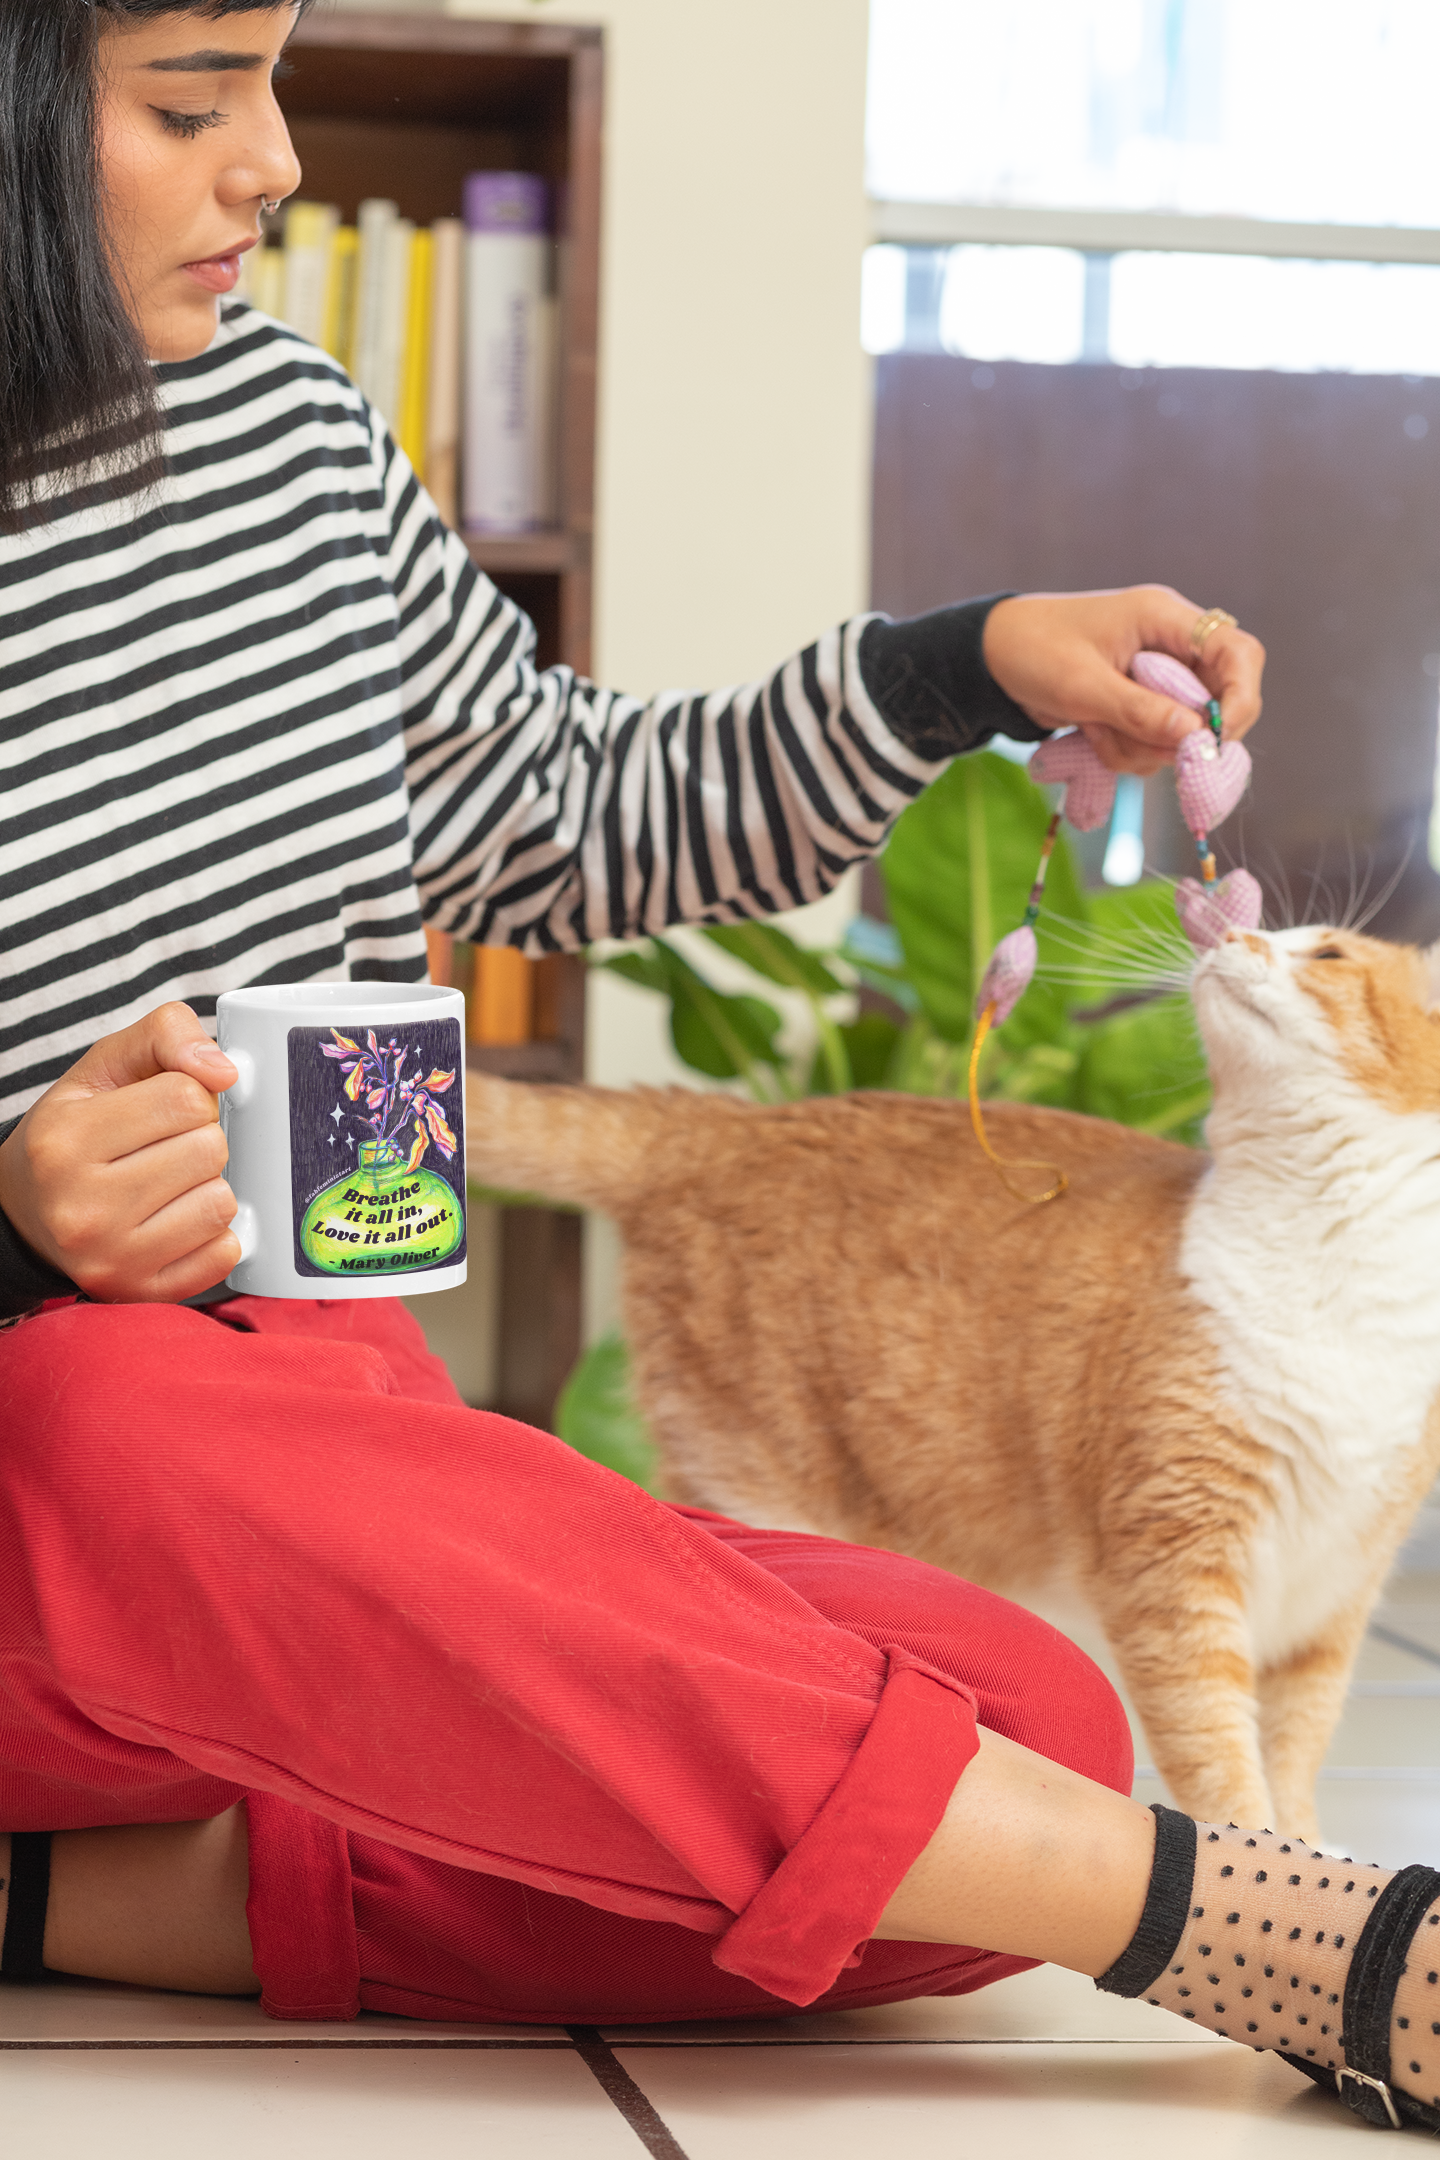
(517,1741)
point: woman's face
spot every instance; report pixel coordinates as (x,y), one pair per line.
(191,140)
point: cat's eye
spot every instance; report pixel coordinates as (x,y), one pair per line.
(1327,952)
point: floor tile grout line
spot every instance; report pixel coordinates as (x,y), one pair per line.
(621,2089)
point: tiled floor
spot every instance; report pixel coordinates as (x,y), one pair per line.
(1036,2065)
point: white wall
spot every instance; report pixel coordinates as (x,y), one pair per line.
(734,430)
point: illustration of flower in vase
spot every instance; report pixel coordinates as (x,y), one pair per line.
(389,1212)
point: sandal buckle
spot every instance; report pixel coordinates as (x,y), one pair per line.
(1372,2084)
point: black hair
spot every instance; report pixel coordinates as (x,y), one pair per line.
(77,391)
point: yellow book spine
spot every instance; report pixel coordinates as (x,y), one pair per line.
(415,385)
(269,282)
(339,331)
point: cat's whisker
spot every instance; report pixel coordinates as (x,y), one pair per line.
(1367,915)
(1114,980)
(1142,937)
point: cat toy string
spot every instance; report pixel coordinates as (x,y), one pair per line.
(1210,777)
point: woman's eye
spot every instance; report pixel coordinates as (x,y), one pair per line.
(189,125)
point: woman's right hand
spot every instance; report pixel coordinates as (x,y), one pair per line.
(115,1175)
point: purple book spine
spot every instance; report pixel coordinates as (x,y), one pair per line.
(506,202)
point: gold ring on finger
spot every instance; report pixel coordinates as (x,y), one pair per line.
(1204,624)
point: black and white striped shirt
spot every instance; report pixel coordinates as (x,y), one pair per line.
(257,726)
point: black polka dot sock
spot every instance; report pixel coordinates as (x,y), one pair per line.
(1256,1936)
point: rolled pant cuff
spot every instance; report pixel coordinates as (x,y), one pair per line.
(821,1905)
(301,1912)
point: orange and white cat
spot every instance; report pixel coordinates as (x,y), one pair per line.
(1203,1388)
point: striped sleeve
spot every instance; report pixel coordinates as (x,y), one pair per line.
(546,812)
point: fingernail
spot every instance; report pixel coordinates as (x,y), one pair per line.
(208,1053)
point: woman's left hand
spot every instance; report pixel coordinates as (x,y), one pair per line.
(1065,658)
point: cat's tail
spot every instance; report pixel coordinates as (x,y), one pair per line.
(589,1146)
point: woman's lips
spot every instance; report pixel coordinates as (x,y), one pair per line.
(218,273)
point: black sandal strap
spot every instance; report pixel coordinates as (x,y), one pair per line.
(1376,1967)
(1375,1970)
(1167,1907)
(22,1956)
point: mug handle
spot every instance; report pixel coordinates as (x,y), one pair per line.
(246,1227)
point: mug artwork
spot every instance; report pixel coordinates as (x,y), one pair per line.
(347,1138)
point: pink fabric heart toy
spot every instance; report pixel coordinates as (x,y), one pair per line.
(1066,761)
(1208,912)
(1210,778)
(1069,761)
(1009,975)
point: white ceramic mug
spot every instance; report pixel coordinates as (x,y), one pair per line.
(347,1138)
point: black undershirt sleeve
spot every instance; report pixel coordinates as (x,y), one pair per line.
(25,1280)
(928,677)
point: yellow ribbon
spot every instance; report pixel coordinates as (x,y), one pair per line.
(1004,1165)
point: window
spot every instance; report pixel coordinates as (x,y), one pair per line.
(1315,110)
(1132,185)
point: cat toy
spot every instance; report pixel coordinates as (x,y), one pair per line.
(1211,775)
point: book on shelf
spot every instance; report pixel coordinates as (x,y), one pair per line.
(509,354)
(450,330)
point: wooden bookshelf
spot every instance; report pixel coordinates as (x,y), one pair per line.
(405,106)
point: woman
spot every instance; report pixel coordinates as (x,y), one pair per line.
(387,1702)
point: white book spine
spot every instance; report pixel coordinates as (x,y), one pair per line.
(309,238)
(376,218)
(509,373)
(394,320)
(442,448)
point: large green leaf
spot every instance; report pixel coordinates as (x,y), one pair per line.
(777,957)
(1133,938)
(596,1413)
(958,870)
(1145,1066)
(722,1036)
(643,968)
(874,951)
(870,1043)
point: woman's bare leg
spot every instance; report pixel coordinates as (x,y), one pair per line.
(1032,1859)
(160,1907)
